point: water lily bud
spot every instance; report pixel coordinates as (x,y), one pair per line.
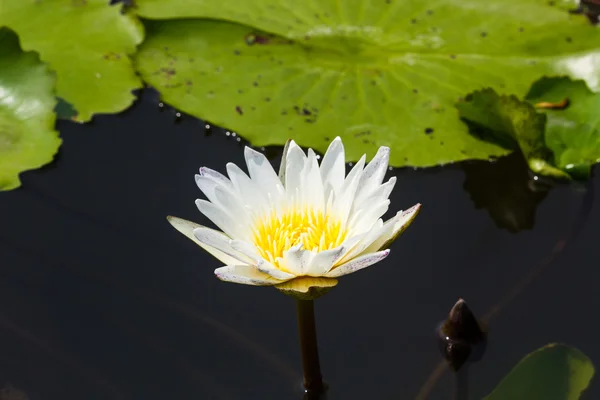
(461,337)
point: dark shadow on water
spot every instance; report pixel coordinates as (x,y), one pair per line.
(506,189)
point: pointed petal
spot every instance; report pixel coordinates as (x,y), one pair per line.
(363,220)
(283,164)
(313,185)
(379,193)
(375,171)
(187,228)
(293,176)
(324,261)
(222,193)
(333,168)
(250,195)
(343,201)
(393,227)
(366,239)
(246,275)
(262,173)
(297,260)
(222,219)
(358,263)
(221,242)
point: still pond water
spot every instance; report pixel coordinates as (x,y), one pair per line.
(100,298)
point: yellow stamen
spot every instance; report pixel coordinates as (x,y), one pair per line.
(277,233)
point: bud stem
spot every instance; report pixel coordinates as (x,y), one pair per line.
(461,381)
(313,381)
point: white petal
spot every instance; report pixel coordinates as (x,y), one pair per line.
(216,176)
(295,161)
(375,171)
(333,168)
(187,228)
(344,199)
(349,245)
(297,260)
(270,269)
(223,195)
(394,227)
(223,220)
(262,173)
(221,242)
(324,261)
(313,185)
(248,250)
(367,199)
(246,275)
(283,164)
(253,199)
(358,263)
(364,220)
(366,239)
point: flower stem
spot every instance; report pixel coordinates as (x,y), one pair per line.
(313,381)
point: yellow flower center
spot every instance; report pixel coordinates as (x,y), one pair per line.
(275,234)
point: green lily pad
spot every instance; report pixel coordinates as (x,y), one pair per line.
(554,372)
(512,123)
(27,136)
(87,43)
(384,72)
(572,132)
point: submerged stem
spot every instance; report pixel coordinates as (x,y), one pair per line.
(313,381)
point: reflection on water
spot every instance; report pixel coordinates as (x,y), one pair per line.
(100,299)
(506,189)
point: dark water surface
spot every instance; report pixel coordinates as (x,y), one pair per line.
(100,298)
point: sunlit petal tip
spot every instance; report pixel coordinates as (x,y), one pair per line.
(404,219)
(306,287)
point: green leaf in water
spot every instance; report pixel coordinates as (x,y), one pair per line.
(374,72)
(554,372)
(572,131)
(87,43)
(512,123)
(27,136)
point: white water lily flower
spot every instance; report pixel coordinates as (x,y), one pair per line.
(299,229)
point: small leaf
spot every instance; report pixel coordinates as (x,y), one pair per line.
(572,133)
(373,72)
(87,43)
(554,372)
(27,136)
(512,123)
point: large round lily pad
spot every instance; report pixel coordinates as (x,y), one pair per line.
(27,136)
(87,43)
(383,72)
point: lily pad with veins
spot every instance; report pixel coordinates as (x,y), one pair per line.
(87,43)
(385,72)
(27,136)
